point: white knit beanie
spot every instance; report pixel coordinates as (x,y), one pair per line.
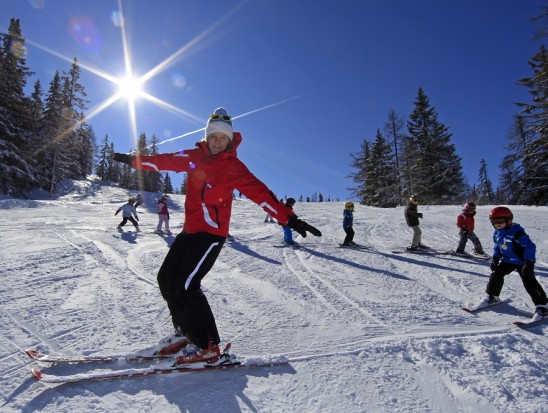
(219,125)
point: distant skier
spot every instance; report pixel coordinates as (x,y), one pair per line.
(163,214)
(513,250)
(128,214)
(213,173)
(465,223)
(412,218)
(348,218)
(288,234)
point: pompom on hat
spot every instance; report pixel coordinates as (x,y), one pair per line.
(219,125)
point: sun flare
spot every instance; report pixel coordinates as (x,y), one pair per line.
(129,87)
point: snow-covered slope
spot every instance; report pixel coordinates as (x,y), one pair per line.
(366,331)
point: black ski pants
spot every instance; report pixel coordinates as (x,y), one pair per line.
(189,259)
(532,286)
(349,235)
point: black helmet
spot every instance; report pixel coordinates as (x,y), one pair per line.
(290,201)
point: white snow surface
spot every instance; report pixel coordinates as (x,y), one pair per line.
(364,331)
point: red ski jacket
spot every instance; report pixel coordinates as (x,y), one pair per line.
(211,181)
(465,222)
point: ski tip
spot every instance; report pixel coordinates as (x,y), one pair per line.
(32,352)
(36,373)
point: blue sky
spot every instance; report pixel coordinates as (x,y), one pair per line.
(313,79)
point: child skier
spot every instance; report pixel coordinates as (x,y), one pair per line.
(513,250)
(348,218)
(465,223)
(412,218)
(288,234)
(128,212)
(163,215)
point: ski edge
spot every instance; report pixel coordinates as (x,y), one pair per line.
(529,324)
(51,379)
(473,310)
(44,358)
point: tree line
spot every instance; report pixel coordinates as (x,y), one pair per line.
(421,160)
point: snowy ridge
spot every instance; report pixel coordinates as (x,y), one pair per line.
(362,331)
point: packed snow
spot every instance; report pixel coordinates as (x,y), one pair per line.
(364,330)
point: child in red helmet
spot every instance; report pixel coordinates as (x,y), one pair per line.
(513,250)
(465,223)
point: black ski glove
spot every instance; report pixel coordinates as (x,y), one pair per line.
(494,263)
(301,227)
(123,158)
(419,214)
(528,268)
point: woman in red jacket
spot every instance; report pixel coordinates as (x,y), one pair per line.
(214,172)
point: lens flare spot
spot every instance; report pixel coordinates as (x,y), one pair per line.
(37,4)
(117,18)
(178,80)
(85,33)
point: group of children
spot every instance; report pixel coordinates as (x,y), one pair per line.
(129,213)
(513,250)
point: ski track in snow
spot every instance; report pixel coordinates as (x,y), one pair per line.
(364,330)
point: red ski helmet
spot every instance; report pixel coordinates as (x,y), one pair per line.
(470,208)
(499,213)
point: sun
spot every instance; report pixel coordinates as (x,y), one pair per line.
(129,87)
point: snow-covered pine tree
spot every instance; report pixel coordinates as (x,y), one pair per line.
(16,121)
(437,171)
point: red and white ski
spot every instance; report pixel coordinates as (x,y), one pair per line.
(161,368)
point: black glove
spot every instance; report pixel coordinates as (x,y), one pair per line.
(123,158)
(419,214)
(528,268)
(301,227)
(494,263)
(463,231)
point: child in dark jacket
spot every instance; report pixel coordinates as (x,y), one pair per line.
(513,250)
(465,222)
(412,216)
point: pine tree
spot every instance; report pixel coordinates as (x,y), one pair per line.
(183,185)
(393,132)
(360,163)
(381,181)
(436,172)
(534,154)
(485,193)
(16,126)
(167,186)
(105,156)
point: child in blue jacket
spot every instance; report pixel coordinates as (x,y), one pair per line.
(348,220)
(513,250)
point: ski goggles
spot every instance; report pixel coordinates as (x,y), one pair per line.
(226,118)
(498,221)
